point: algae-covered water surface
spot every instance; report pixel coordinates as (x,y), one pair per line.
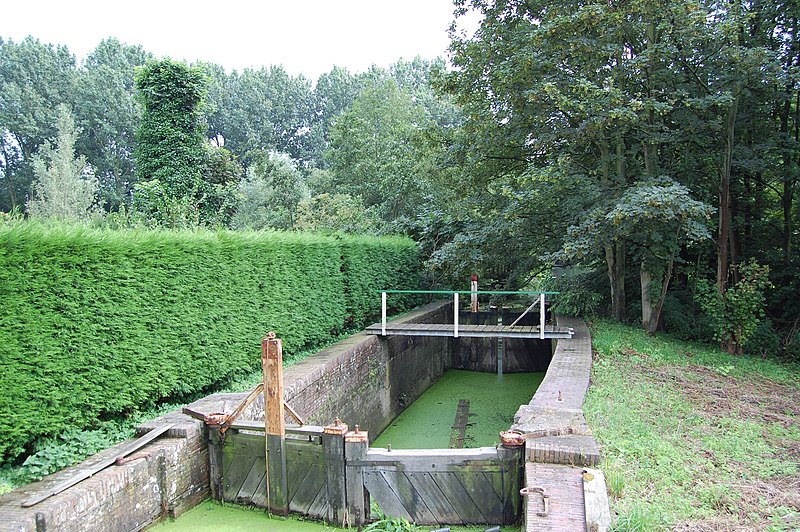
(211,516)
(216,517)
(493,401)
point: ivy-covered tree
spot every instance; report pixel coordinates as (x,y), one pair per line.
(170,152)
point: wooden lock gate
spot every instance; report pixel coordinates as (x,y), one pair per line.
(330,473)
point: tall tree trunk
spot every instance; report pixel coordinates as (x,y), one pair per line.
(651,310)
(646,282)
(724,206)
(615,260)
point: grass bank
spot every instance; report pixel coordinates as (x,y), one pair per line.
(693,438)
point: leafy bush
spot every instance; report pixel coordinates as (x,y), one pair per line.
(683,320)
(764,341)
(735,315)
(97,323)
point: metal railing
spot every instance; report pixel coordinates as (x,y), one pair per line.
(474,293)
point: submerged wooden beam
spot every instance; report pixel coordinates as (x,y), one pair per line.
(459,428)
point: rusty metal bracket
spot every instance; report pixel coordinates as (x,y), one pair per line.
(224,421)
(526,492)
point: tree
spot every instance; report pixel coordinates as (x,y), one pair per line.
(336,213)
(656,219)
(108,114)
(270,193)
(34,80)
(170,151)
(65,187)
(264,109)
(376,150)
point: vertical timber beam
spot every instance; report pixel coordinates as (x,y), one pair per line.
(333,449)
(511,454)
(356,444)
(275,429)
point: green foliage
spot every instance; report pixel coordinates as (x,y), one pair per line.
(65,188)
(169,140)
(385,523)
(35,79)
(269,195)
(736,313)
(108,114)
(376,152)
(683,318)
(336,213)
(97,323)
(764,341)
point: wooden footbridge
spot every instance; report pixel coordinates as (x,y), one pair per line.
(457,329)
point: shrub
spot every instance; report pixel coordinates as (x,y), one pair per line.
(96,323)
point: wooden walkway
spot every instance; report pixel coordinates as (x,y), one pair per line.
(469,331)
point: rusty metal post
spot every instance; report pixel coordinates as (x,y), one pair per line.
(275,429)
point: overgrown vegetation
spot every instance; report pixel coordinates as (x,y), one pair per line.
(96,324)
(694,438)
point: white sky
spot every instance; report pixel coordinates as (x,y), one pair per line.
(306,36)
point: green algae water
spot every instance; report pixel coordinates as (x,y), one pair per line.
(212,516)
(216,517)
(493,401)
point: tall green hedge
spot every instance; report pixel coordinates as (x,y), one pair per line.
(97,323)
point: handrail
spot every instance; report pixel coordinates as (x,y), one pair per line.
(540,300)
(479,292)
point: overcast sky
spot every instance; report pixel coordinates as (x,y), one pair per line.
(305,36)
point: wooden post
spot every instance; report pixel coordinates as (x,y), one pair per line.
(215,443)
(356,444)
(333,450)
(512,457)
(275,429)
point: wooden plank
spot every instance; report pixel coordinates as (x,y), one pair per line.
(235,475)
(308,489)
(482,493)
(260,493)
(436,501)
(84,473)
(254,478)
(415,504)
(459,497)
(319,508)
(458,431)
(382,493)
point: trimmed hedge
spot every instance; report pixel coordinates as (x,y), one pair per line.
(97,323)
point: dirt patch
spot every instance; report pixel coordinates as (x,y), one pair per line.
(760,505)
(717,395)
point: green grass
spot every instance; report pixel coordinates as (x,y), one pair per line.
(692,436)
